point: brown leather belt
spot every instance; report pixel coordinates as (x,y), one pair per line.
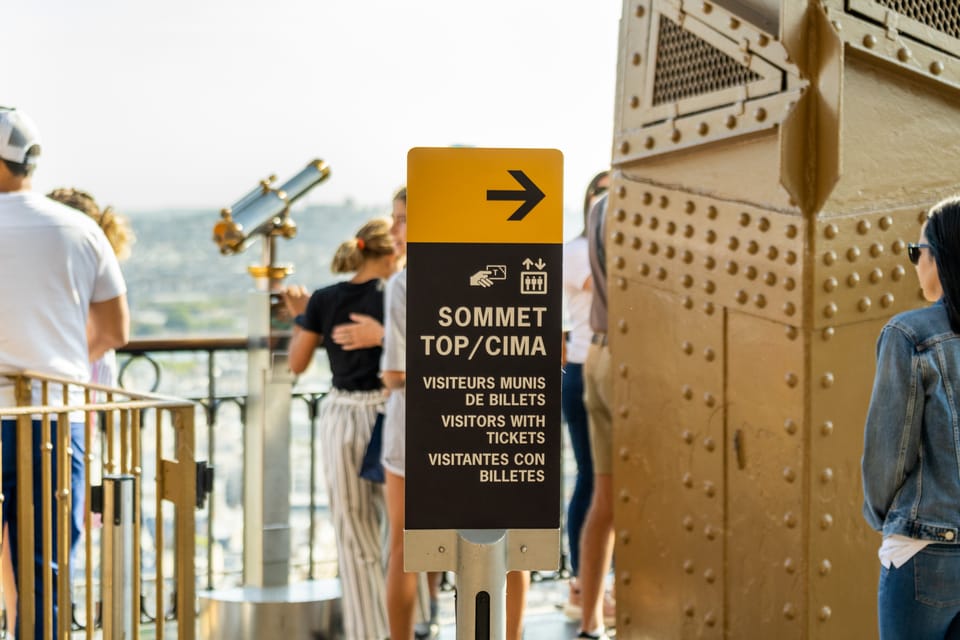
(599,338)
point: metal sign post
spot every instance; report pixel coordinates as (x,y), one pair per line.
(484,242)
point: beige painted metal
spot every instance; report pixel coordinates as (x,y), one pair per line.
(752,262)
(122,453)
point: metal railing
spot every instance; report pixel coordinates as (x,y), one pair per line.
(48,414)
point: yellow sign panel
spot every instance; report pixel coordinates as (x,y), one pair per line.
(477,195)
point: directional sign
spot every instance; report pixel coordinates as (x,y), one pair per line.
(484,242)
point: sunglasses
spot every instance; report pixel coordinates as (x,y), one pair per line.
(913,251)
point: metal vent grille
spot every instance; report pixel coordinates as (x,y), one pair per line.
(689,66)
(942,15)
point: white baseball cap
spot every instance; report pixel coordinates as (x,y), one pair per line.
(18,134)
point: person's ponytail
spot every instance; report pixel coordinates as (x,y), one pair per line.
(943,236)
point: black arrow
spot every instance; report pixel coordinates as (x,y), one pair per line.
(531,195)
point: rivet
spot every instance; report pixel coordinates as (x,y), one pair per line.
(837,25)
(731,267)
(791,379)
(827,380)
(624,147)
(869,41)
(886,222)
(687,436)
(686,347)
(671,227)
(751,272)
(790,520)
(523,548)
(791,257)
(687,281)
(664,202)
(647,197)
(636,59)
(636,243)
(897,273)
(688,611)
(634,102)
(864,304)
(620,215)
(863,227)
(876,250)
(624,370)
(734,23)
(688,231)
(763,40)
(792,231)
(709,399)
(853,279)
(661,273)
(826,521)
(626,619)
(789,308)
(826,476)
(853,253)
(789,284)
(644,269)
(709,490)
(676,135)
(709,287)
(670,252)
(707,7)
(703,129)
(624,496)
(789,474)
(772,253)
(742,296)
(712,212)
(791,332)
(731,122)
(654,222)
(709,444)
(689,207)
(921,216)
(619,262)
(624,537)
(687,302)
(761,114)
(789,611)
(763,224)
(687,256)
(831,231)
(688,568)
(710,576)
(621,283)
(898,246)
(789,565)
(711,236)
(641,11)
(709,532)
(936,67)
(904,54)
(829,258)
(790,426)
(637,219)
(625,577)
(649,142)
(753,247)
(710,262)
(686,392)
(744,219)
(441,549)
(709,354)
(622,325)
(621,192)
(653,248)
(760,300)
(708,308)
(825,613)
(830,310)
(688,523)
(825,567)
(826,428)
(770,278)
(733,243)
(828,333)
(624,411)
(886,300)
(617,236)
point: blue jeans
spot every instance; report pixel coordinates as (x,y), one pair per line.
(9,439)
(571,403)
(921,599)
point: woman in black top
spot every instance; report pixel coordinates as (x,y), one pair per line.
(347,414)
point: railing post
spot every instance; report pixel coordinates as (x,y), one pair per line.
(117,557)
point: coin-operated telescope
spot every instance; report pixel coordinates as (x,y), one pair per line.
(252,611)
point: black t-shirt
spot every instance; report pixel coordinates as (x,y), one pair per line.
(352,370)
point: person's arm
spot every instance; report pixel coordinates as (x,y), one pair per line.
(302,345)
(894,422)
(394,379)
(108,326)
(362,332)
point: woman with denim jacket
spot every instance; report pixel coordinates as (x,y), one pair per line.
(911,456)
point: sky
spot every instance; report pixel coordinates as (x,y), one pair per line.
(189,103)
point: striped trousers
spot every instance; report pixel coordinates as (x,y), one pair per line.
(357,510)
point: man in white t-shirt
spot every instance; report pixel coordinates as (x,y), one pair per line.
(66,305)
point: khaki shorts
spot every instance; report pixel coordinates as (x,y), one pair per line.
(597,397)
